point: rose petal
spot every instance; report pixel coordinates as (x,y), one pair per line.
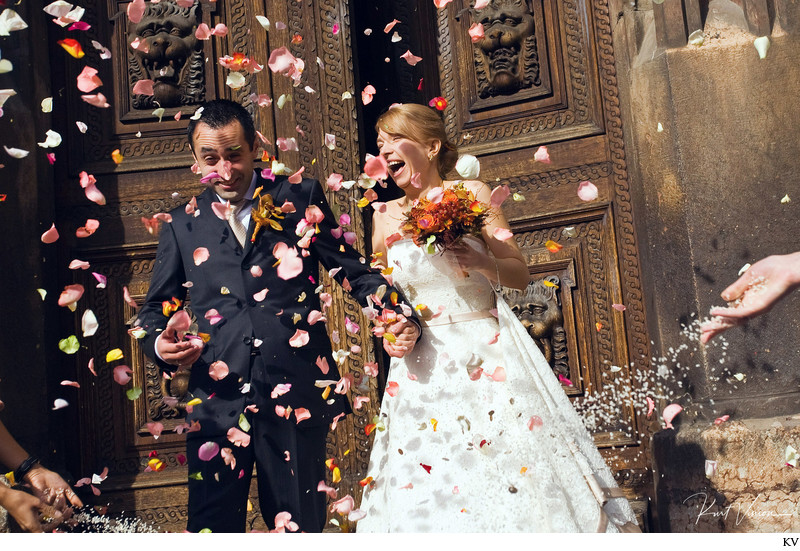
(300,338)
(499,194)
(587,191)
(213,316)
(669,414)
(70,294)
(239,438)
(144,87)
(200,255)
(261,295)
(410,58)
(376,168)
(88,80)
(122,374)
(208,451)
(218,370)
(542,155)
(97,100)
(502,234)
(51,235)
(89,323)
(476,32)
(301,414)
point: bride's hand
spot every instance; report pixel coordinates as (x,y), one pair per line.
(473,255)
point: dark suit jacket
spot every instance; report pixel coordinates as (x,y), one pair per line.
(224,282)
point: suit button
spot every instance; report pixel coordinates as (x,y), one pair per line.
(251,302)
(246,267)
(247,340)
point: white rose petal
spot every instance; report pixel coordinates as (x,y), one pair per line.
(468,167)
(53,139)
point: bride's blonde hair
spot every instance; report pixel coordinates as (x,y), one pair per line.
(420,124)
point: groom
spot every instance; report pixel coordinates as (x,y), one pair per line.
(257,297)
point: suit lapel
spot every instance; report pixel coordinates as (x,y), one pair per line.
(212,222)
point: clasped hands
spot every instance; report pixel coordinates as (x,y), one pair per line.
(406,334)
(180,353)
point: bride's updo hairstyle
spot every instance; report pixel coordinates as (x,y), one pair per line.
(420,124)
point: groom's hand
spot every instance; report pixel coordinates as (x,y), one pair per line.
(406,334)
(178,353)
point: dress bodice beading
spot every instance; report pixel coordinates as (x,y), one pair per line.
(436,280)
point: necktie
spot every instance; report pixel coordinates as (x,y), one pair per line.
(239,230)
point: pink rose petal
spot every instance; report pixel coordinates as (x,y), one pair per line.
(669,414)
(180,321)
(542,155)
(88,80)
(314,214)
(122,374)
(502,234)
(322,364)
(144,87)
(218,370)
(261,295)
(208,451)
(78,265)
(435,195)
(290,262)
(222,211)
(587,191)
(535,422)
(499,374)
(280,389)
(51,235)
(367,93)
(499,194)
(476,32)
(126,296)
(300,338)
(334,182)
(297,177)
(135,10)
(376,168)
(155,429)
(239,438)
(200,255)
(410,58)
(322,487)
(391,388)
(302,414)
(70,383)
(213,316)
(70,294)
(97,100)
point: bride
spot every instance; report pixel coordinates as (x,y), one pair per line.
(475,433)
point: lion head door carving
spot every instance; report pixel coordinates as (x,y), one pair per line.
(169,54)
(538,309)
(506,59)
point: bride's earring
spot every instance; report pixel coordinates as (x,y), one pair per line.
(430,156)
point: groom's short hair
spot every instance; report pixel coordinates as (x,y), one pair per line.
(221,112)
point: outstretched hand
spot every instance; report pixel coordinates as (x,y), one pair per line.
(180,353)
(754,293)
(406,334)
(51,489)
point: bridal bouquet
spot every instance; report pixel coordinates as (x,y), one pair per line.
(443,216)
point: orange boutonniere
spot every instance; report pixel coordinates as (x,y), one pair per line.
(266,213)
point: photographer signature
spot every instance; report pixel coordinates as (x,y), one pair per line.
(743,510)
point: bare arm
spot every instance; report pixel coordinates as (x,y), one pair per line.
(755,292)
(505,259)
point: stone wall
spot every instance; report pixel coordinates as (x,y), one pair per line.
(712,140)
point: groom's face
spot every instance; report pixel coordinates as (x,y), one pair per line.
(225,151)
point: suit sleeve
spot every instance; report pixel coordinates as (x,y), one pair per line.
(166,283)
(335,252)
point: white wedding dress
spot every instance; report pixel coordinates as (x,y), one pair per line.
(465,450)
